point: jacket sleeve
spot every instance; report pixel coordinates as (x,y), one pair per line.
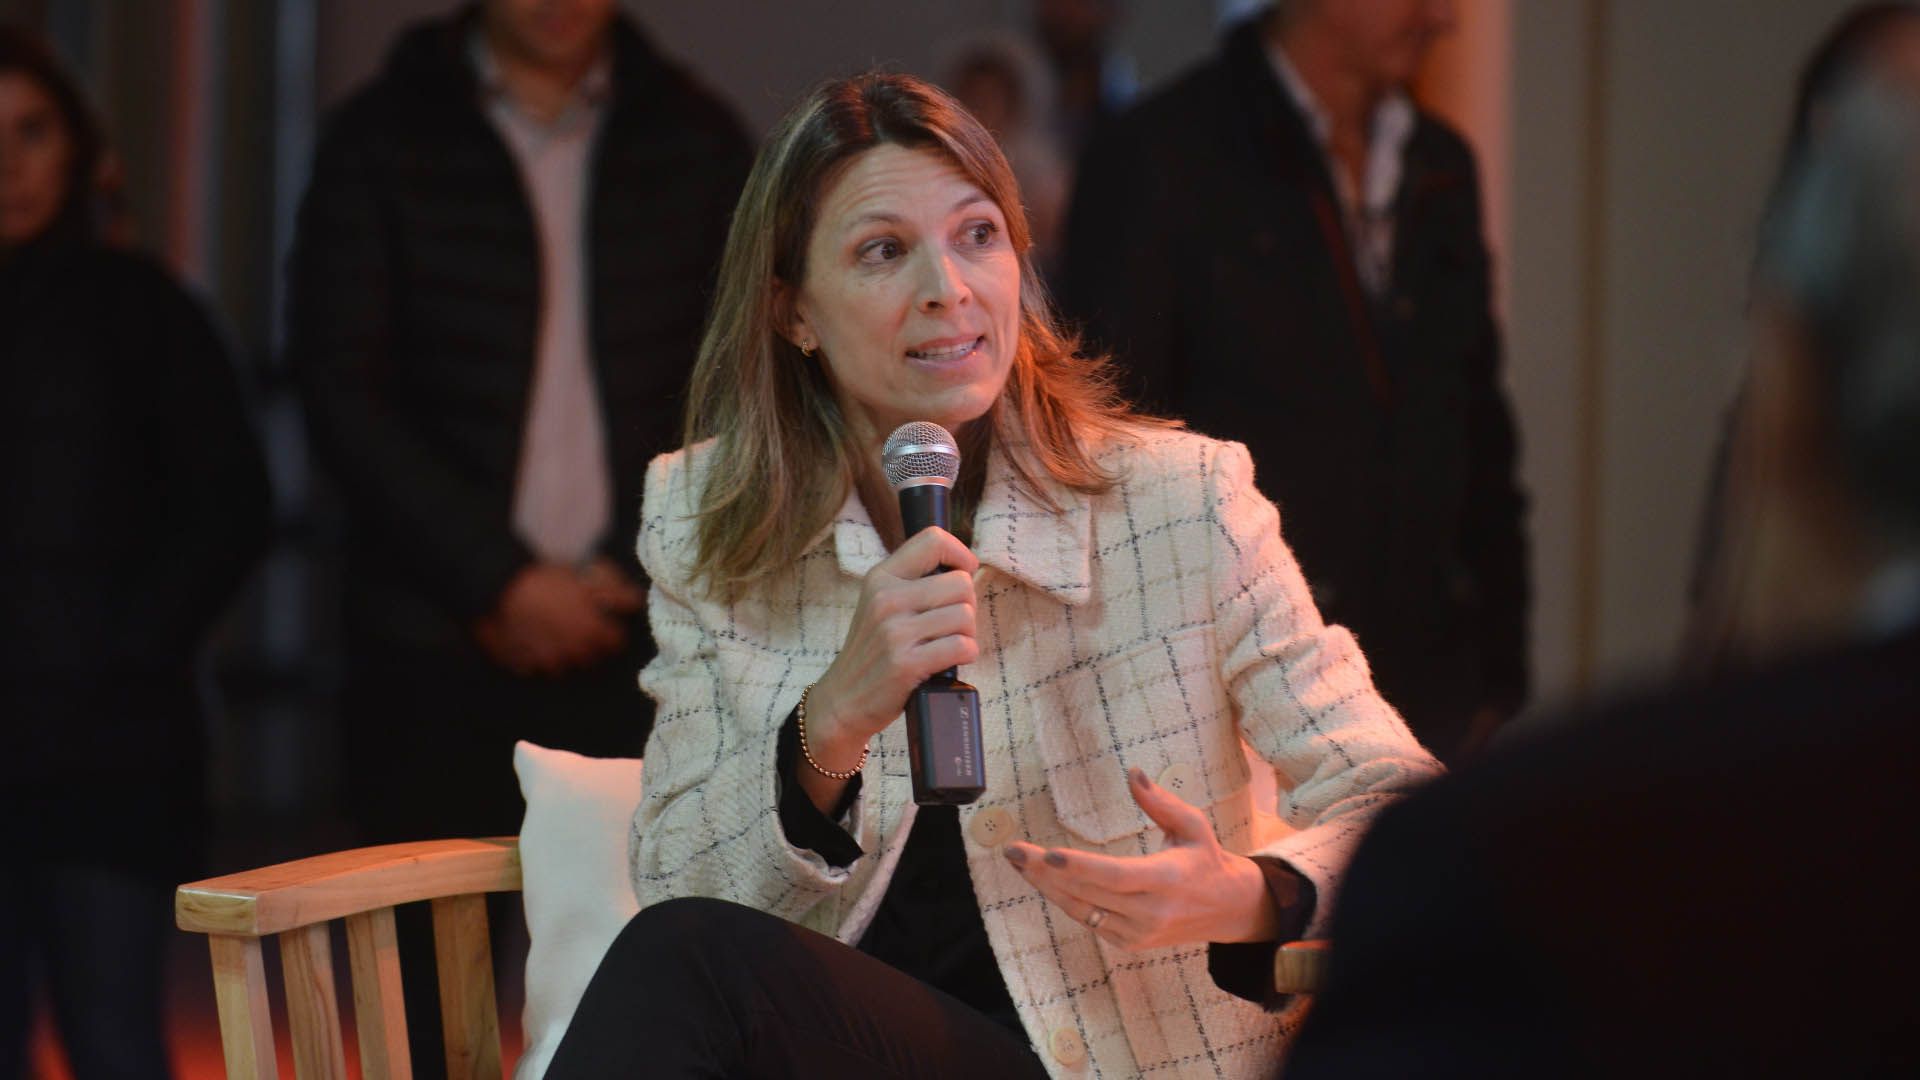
(1493,544)
(709,819)
(344,288)
(1306,700)
(1119,282)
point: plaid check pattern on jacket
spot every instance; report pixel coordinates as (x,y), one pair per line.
(1157,624)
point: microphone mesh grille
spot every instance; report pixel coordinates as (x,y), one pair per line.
(920,451)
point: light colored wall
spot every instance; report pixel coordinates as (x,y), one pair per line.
(1534,160)
(1697,99)
(1547,282)
(1642,135)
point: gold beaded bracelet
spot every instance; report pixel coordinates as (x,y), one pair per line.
(801,714)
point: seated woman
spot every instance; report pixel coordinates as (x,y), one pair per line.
(1116,589)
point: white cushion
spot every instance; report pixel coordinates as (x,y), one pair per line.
(574,884)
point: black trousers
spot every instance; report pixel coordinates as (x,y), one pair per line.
(705,988)
(96,938)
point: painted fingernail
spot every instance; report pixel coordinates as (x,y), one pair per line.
(1139,778)
(1055,858)
(1015,856)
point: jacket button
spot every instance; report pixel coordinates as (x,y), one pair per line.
(1068,1048)
(1183,779)
(991,827)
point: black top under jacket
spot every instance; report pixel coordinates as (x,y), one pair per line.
(929,926)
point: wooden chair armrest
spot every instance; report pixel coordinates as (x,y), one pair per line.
(1300,967)
(274,899)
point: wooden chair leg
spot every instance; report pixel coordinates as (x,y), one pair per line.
(468,1014)
(380,1013)
(240,991)
(313,1003)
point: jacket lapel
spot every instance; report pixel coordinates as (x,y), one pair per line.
(856,543)
(1013,532)
(1020,536)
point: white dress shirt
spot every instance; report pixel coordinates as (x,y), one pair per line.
(1368,211)
(562,500)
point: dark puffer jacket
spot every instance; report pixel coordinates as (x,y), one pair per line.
(415,308)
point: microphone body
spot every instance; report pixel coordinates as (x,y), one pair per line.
(943,713)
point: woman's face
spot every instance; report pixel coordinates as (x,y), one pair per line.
(35,156)
(912,293)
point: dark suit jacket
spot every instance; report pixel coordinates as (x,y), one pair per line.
(1716,881)
(1205,248)
(415,305)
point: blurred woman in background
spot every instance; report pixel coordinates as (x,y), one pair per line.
(1878,40)
(136,501)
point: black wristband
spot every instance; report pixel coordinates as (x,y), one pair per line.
(804,824)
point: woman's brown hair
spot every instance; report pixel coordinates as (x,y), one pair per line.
(783,459)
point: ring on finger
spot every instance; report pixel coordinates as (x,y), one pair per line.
(1096,917)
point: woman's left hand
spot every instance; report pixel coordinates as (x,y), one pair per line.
(1191,891)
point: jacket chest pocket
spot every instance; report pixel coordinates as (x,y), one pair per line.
(1159,707)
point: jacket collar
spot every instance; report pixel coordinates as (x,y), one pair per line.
(1285,132)
(1014,532)
(1279,127)
(1389,128)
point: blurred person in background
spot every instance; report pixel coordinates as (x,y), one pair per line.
(1005,85)
(137,501)
(1714,880)
(1280,248)
(1093,81)
(496,289)
(1881,39)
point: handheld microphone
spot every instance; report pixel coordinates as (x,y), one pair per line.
(943,714)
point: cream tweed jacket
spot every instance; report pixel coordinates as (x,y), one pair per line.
(1156,625)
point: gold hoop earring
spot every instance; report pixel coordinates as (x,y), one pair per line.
(806,349)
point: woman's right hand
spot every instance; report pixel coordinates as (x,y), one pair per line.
(906,626)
